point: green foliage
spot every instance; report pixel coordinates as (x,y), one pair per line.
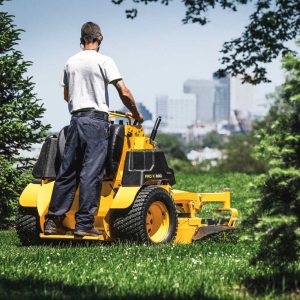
(212,140)
(172,146)
(174,150)
(180,165)
(20,114)
(238,155)
(192,145)
(271,25)
(12,181)
(276,219)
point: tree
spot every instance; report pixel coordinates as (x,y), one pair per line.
(271,25)
(20,114)
(238,156)
(276,217)
(172,146)
(212,140)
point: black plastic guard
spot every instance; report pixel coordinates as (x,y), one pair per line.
(48,162)
(146,166)
(115,148)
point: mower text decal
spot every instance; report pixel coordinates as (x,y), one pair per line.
(153,176)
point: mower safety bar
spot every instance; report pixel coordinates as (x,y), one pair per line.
(224,198)
(216,197)
(116,113)
(192,203)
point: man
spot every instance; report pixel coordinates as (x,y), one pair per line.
(85,79)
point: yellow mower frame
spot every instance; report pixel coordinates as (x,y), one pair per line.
(117,197)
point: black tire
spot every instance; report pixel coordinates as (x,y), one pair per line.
(130,224)
(27,225)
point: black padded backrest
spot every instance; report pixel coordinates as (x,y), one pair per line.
(114,152)
(51,156)
(61,142)
(47,164)
(115,148)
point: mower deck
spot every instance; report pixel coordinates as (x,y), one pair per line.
(204,231)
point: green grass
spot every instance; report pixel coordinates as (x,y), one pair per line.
(210,269)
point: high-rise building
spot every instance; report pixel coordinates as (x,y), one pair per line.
(217,99)
(242,96)
(142,109)
(204,90)
(177,113)
(162,109)
(221,107)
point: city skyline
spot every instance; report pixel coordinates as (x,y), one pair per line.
(217,104)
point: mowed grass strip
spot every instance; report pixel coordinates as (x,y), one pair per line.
(209,269)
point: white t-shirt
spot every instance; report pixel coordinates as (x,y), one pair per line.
(86,75)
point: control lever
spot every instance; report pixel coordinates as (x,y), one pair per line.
(154,130)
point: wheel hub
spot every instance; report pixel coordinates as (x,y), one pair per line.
(157,221)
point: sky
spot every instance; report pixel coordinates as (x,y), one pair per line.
(155,52)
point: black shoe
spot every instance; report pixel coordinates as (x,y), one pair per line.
(88,232)
(53,225)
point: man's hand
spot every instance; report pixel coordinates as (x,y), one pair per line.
(139,117)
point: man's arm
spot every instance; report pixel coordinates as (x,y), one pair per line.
(128,99)
(66,94)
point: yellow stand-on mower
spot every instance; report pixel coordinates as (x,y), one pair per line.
(137,200)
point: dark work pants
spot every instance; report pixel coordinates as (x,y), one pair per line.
(83,163)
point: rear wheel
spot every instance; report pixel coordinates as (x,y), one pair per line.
(27,225)
(151,219)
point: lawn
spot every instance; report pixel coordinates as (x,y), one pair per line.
(210,269)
